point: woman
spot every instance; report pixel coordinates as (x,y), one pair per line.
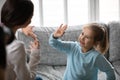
(17,14)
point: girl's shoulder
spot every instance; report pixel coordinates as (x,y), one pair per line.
(94,53)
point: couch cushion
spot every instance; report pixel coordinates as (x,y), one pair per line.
(114,40)
(49,55)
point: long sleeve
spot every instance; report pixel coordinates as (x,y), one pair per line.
(103,65)
(17,59)
(17,32)
(34,61)
(64,46)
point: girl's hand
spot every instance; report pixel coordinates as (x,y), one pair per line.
(29,32)
(60,31)
(35,44)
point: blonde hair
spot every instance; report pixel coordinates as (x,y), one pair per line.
(100,36)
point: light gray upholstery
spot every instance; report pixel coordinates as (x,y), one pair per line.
(114,50)
(52,57)
(114,40)
(49,55)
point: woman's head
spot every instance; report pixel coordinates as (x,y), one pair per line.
(17,13)
(94,35)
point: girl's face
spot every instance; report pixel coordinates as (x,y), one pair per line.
(86,38)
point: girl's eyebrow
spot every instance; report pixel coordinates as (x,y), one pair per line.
(88,36)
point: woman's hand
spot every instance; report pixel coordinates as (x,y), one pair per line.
(35,44)
(29,32)
(60,31)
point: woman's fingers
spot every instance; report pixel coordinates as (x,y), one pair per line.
(35,44)
(34,36)
(29,31)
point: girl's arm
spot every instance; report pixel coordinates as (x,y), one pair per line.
(64,46)
(104,65)
(54,41)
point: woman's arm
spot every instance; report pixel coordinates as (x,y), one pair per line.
(17,58)
(34,57)
(23,70)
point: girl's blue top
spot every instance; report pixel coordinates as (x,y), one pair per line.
(82,66)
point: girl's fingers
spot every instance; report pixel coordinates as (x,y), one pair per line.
(64,27)
(60,26)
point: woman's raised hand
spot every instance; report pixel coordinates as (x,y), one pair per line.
(60,31)
(28,31)
(35,44)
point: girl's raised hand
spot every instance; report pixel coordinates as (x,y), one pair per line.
(60,31)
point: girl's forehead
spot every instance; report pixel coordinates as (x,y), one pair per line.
(88,31)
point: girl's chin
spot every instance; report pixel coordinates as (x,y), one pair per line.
(82,45)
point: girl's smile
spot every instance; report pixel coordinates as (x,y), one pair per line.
(86,39)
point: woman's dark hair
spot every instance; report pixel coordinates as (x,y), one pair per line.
(16,12)
(2,49)
(6,37)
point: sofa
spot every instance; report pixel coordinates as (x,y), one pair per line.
(53,63)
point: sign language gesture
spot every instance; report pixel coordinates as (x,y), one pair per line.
(60,31)
(35,45)
(28,31)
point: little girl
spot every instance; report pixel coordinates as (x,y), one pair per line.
(84,57)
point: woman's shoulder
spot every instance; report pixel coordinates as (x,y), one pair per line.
(16,43)
(15,47)
(15,51)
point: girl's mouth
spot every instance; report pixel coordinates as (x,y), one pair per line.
(82,43)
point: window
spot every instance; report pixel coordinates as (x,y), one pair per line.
(77,12)
(36,16)
(109,10)
(74,12)
(53,12)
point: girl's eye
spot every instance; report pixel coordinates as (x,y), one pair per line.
(82,33)
(87,37)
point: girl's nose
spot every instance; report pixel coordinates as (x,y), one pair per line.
(82,37)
